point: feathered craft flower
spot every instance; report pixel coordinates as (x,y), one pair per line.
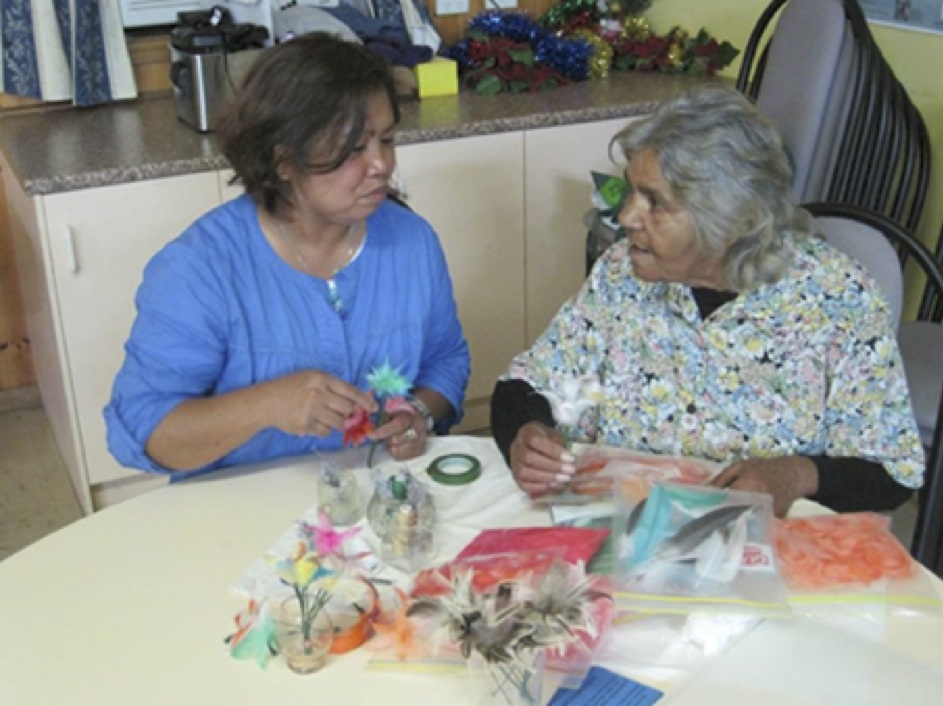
(506,622)
(254,636)
(394,405)
(403,636)
(387,381)
(357,427)
(327,541)
(301,568)
(311,582)
(561,601)
(390,387)
(576,395)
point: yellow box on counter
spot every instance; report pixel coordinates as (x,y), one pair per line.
(438,77)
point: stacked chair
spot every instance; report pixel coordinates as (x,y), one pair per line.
(859,143)
(853,132)
(921,345)
(874,239)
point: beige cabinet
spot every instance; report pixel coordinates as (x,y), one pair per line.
(472,192)
(559,186)
(84,252)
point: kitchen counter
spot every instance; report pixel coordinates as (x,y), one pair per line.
(65,150)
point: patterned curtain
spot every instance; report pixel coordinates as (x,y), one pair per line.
(57,50)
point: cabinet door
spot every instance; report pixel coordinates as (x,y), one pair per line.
(559,188)
(472,192)
(99,241)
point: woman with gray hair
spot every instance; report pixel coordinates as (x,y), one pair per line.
(720,328)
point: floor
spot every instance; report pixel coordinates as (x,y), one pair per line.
(36,497)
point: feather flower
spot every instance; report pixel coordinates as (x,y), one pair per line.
(394,405)
(576,395)
(300,569)
(390,387)
(561,601)
(254,636)
(357,427)
(387,381)
(507,621)
(326,540)
(403,636)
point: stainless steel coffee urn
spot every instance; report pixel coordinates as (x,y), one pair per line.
(208,61)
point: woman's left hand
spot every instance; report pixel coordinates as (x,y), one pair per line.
(404,435)
(787,479)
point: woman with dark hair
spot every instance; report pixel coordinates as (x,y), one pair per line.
(258,327)
(721,328)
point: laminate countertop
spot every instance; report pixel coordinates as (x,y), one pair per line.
(60,150)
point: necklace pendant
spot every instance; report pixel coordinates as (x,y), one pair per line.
(334,296)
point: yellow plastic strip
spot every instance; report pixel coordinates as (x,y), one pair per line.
(710,600)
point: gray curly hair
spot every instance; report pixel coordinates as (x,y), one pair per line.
(726,165)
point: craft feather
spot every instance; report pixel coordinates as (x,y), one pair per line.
(503,621)
(683,544)
(690,535)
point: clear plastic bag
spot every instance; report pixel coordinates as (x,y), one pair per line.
(498,555)
(575,661)
(851,564)
(686,548)
(663,650)
(599,467)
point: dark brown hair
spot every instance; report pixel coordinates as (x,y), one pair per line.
(307,95)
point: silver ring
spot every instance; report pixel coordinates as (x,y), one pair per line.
(410,434)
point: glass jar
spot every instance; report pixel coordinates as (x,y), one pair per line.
(304,646)
(408,542)
(402,515)
(506,683)
(339,497)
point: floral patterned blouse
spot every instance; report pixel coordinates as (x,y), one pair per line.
(806,366)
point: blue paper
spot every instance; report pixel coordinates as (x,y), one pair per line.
(604,688)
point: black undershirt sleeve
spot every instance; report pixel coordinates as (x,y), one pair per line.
(514,404)
(845,484)
(856,485)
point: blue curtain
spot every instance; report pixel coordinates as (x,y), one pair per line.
(58,50)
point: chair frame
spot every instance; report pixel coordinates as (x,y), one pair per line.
(882,155)
(927,543)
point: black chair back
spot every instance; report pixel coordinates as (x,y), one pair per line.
(928,530)
(859,138)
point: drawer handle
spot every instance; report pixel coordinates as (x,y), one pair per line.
(70,250)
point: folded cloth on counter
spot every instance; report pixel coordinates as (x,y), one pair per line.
(397,53)
(298,20)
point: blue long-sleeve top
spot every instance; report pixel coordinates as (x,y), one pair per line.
(219,310)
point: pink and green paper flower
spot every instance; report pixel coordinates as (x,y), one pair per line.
(389,386)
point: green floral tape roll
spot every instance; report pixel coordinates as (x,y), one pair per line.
(454,469)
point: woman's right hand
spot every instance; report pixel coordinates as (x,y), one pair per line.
(312,402)
(540,462)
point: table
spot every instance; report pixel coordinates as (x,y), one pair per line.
(131,605)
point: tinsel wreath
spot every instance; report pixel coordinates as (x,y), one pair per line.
(570,12)
(510,51)
(675,52)
(627,42)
